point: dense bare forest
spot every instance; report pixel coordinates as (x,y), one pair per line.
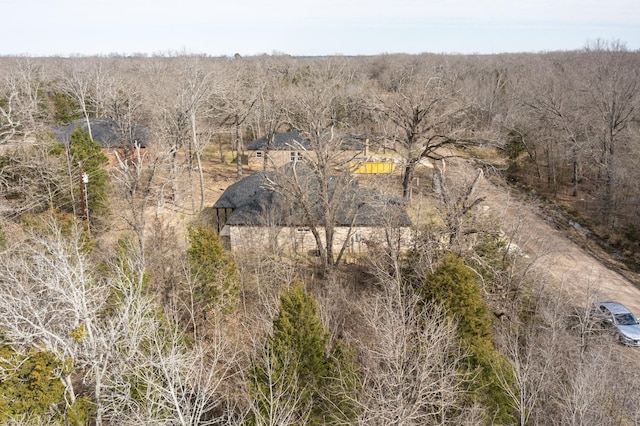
(121,304)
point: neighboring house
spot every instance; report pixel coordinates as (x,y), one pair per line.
(282,149)
(250,215)
(108,134)
(291,147)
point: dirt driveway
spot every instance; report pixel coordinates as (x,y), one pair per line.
(555,252)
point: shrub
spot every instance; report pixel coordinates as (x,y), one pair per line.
(31,390)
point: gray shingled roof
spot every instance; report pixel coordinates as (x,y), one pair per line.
(293,141)
(105,131)
(281,142)
(254,204)
(242,192)
(352,144)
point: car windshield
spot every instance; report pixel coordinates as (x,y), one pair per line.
(625,319)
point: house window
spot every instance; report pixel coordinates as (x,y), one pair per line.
(299,156)
(293,157)
(258,154)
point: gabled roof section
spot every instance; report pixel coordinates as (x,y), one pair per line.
(105,131)
(352,143)
(289,141)
(242,192)
(293,141)
(255,204)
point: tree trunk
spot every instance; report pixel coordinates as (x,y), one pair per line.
(409,171)
(238,151)
(196,150)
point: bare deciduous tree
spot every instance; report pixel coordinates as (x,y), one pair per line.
(459,198)
(421,104)
(235,103)
(21,98)
(524,346)
(109,334)
(411,362)
(52,300)
(76,81)
(552,103)
(319,183)
(33,179)
(613,89)
(135,180)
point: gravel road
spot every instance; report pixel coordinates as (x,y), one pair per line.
(555,252)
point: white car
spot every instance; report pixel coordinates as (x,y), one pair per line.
(622,320)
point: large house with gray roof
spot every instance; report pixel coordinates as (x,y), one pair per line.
(106,132)
(250,214)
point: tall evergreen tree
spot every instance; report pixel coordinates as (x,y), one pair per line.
(65,109)
(86,158)
(213,272)
(27,383)
(453,285)
(297,380)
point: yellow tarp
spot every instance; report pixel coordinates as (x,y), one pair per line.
(373,167)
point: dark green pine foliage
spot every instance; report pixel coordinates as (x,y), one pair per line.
(86,156)
(30,386)
(453,285)
(65,109)
(298,335)
(297,380)
(214,273)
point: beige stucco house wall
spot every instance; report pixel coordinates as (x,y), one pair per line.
(273,158)
(301,239)
(290,147)
(251,215)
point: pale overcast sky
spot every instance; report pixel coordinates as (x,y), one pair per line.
(312,27)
